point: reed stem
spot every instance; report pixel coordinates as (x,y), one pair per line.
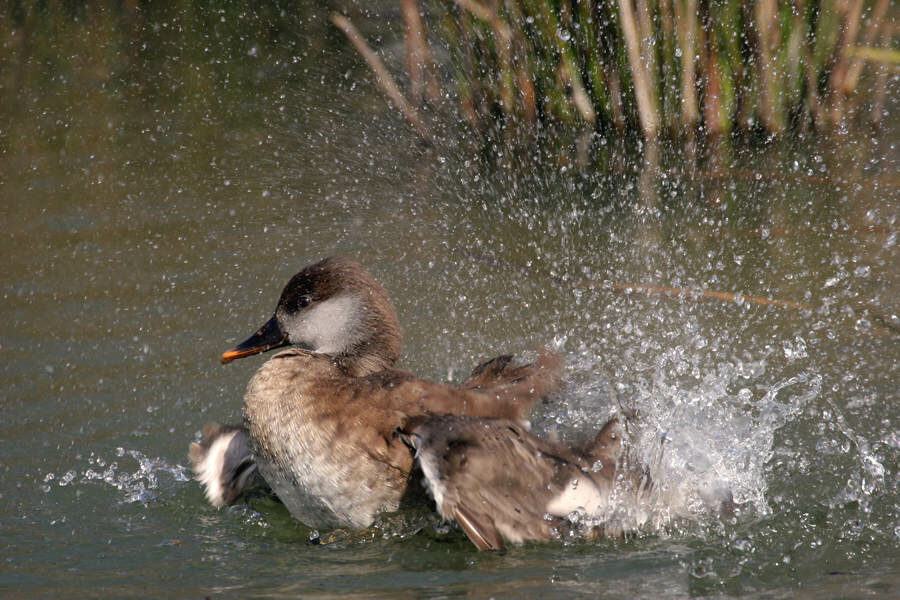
(642,65)
(383,77)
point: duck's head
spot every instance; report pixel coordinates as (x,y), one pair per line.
(332,307)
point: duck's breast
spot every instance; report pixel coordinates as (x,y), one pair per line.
(323,461)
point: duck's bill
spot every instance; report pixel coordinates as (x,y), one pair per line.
(268,337)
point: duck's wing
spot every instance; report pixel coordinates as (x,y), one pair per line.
(223,463)
(519,385)
(483,533)
(495,479)
(489,373)
(371,410)
(497,389)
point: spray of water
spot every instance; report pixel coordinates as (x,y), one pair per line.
(142,484)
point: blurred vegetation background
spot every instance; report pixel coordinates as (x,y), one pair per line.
(644,68)
(654,66)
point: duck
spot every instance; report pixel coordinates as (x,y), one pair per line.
(327,419)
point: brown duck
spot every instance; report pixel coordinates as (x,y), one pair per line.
(322,419)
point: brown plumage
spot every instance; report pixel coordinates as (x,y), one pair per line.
(322,417)
(502,483)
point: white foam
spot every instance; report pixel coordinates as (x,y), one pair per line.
(580,494)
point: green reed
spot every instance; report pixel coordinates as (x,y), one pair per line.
(657,66)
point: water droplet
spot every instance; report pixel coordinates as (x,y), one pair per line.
(67,478)
(795,350)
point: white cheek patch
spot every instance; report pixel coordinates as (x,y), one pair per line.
(329,326)
(580,493)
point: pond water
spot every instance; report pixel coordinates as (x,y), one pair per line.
(159,186)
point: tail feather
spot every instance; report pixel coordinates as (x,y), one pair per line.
(616,455)
(608,441)
(223,463)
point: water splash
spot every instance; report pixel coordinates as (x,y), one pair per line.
(864,482)
(143,484)
(705,437)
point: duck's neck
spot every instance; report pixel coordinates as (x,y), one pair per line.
(370,355)
(360,366)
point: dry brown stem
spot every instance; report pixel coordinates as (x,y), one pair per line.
(642,89)
(419,66)
(686,18)
(382,76)
(647,289)
(689,294)
(851,11)
(766,18)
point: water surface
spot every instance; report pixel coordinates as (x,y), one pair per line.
(159,188)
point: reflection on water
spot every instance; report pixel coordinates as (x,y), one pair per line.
(157,189)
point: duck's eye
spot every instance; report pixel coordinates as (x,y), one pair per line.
(304,301)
